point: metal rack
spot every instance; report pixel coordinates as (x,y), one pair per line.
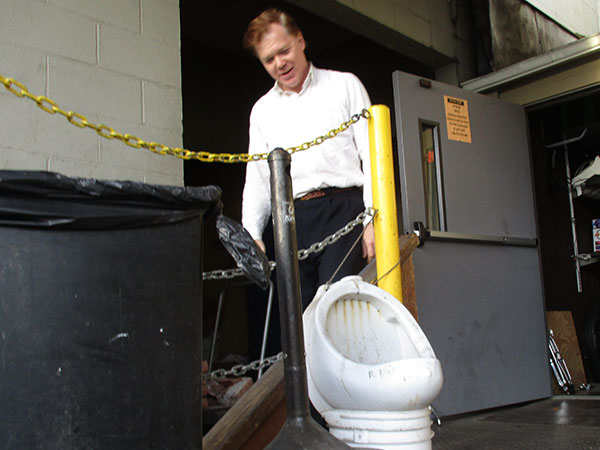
(581,259)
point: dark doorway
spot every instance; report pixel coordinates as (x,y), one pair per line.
(220,83)
(551,123)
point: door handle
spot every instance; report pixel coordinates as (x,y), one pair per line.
(445,236)
(421,232)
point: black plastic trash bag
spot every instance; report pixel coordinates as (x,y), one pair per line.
(50,200)
(242,247)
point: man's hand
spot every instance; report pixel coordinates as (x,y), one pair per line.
(261,245)
(368,243)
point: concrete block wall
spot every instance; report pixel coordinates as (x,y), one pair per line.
(436,25)
(428,22)
(425,21)
(116,62)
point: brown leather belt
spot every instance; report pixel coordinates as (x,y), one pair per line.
(324,192)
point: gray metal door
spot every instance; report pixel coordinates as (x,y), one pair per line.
(465,175)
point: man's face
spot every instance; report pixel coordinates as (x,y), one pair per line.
(282,56)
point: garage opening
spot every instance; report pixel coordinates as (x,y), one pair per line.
(565,140)
(220,83)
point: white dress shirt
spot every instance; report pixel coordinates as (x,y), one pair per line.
(288,119)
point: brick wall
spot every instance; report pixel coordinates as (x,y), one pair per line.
(117,62)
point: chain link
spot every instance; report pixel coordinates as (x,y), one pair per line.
(241,369)
(227,274)
(332,238)
(107,132)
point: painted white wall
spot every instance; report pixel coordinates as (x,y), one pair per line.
(116,62)
(578,16)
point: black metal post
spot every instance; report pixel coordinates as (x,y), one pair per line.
(300,431)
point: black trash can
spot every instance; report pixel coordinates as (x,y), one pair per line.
(100,313)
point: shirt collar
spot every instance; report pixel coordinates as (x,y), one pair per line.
(305,85)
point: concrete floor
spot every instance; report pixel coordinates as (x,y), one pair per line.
(558,423)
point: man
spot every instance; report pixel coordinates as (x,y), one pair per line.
(331,181)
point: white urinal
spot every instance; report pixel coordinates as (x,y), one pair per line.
(372,373)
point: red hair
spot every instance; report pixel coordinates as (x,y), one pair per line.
(260,25)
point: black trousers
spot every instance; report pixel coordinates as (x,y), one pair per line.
(320,217)
(315,219)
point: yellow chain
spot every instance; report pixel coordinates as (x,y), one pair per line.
(107,132)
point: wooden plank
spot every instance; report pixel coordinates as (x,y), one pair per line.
(565,336)
(408,243)
(409,294)
(268,429)
(250,412)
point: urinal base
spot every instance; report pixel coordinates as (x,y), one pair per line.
(385,430)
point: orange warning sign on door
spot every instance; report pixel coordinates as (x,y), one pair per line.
(457,119)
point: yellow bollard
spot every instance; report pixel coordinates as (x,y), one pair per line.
(387,248)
